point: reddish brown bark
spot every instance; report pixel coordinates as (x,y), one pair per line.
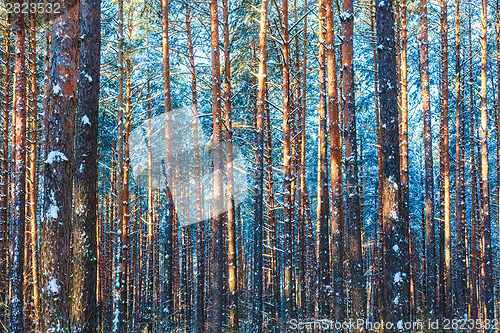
(323,207)
(461,269)
(430,249)
(485,200)
(55,279)
(18,180)
(217,284)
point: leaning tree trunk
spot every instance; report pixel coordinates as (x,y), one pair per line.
(84,309)
(18,181)
(56,229)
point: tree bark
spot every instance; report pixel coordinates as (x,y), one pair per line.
(218,166)
(430,249)
(259,172)
(323,201)
(84,307)
(485,202)
(168,299)
(397,272)
(337,240)
(231,237)
(355,250)
(461,269)
(200,244)
(4,188)
(287,170)
(55,263)
(18,181)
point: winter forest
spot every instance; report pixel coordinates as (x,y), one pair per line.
(249,166)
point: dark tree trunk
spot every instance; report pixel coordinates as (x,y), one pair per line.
(355,251)
(397,270)
(84,307)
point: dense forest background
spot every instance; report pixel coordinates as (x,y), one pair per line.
(253,166)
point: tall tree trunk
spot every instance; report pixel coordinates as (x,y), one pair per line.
(4,188)
(168,299)
(355,250)
(84,307)
(323,209)
(337,240)
(17,214)
(55,263)
(218,166)
(259,172)
(32,168)
(302,229)
(231,237)
(447,309)
(405,180)
(287,170)
(397,272)
(120,297)
(461,269)
(379,297)
(474,301)
(485,202)
(200,244)
(430,249)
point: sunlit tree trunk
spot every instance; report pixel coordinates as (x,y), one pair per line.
(446,270)
(18,181)
(231,237)
(4,188)
(259,172)
(218,195)
(323,207)
(485,202)
(287,169)
(337,240)
(430,246)
(474,301)
(56,229)
(84,307)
